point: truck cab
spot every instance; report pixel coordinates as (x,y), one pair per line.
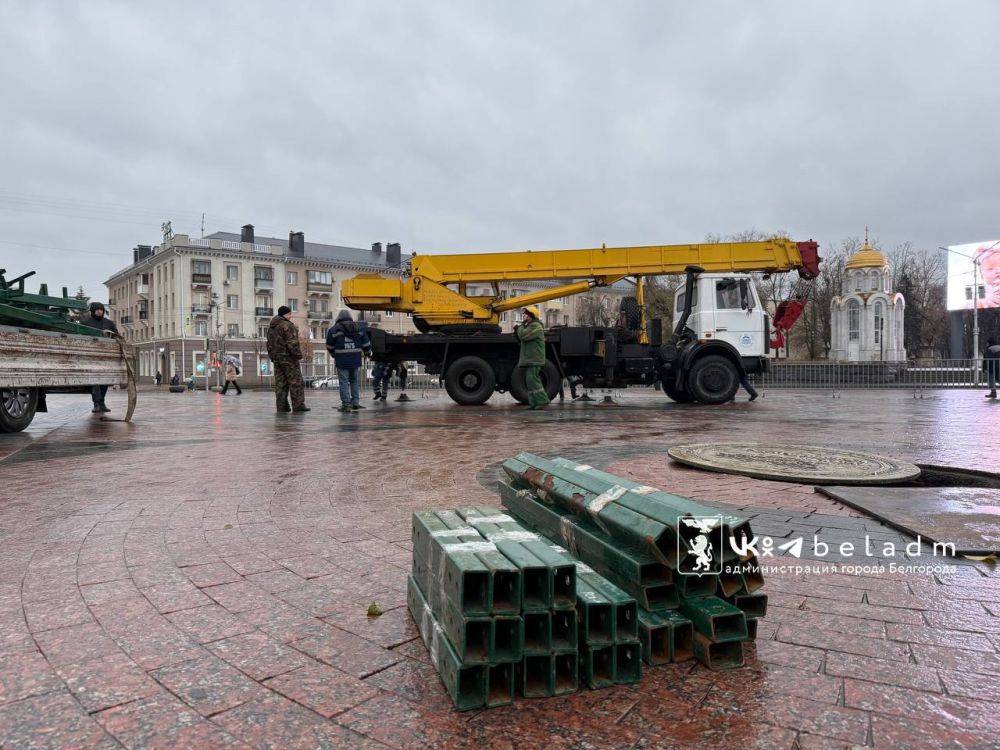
(725,307)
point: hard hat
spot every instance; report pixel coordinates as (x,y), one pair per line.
(533,311)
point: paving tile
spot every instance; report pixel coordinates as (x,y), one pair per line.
(211,574)
(416,681)
(153,642)
(882,671)
(347,652)
(957,659)
(283,622)
(394,721)
(325,690)
(919,705)
(971,684)
(789,654)
(899,731)
(938,637)
(53,720)
(49,614)
(208,684)
(866,611)
(847,724)
(209,623)
(106,681)
(257,655)
(275,722)
(274,581)
(972,622)
(850,644)
(25,675)
(390,629)
(239,597)
(75,643)
(171,597)
(101,593)
(162,721)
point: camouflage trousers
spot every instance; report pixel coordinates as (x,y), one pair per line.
(537,397)
(288,382)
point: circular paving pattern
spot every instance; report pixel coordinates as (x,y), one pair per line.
(794,463)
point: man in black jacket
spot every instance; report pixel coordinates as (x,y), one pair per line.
(991,366)
(98,319)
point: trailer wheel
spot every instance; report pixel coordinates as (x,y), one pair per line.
(17,408)
(550,382)
(713,379)
(470,381)
(680,395)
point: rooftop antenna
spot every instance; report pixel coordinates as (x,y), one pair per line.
(203,224)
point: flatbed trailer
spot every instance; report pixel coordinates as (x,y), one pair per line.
(35,362)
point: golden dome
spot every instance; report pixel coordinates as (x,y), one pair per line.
(867,257)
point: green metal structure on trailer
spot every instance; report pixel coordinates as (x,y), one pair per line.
(42,350)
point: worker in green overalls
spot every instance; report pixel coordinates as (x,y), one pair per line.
(531,334)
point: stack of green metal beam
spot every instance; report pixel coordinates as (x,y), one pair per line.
(633,535)
(548,602)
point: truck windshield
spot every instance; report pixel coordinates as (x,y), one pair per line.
(727,294)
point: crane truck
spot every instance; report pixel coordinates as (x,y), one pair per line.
(720,328)
(43,351)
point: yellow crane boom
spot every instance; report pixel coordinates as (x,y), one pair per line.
(435,290)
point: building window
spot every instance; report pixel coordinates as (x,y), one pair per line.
(200,328)
(262,332)
(232,302)
(319,277)
(293,304)
(232,272)
(388,313)
(201,267)
(263,273)
(292,277)
(854,320)
(879,321)
(233,330)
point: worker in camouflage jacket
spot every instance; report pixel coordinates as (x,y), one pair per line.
(531,334)
(285,352)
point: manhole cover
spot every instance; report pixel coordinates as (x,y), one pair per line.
(794,463)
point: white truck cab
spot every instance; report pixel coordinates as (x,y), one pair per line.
(725,307)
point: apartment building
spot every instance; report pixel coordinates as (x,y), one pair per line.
(188,302)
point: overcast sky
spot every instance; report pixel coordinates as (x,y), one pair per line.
(491,125)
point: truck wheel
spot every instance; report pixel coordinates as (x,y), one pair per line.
(713,379)
(17,408)
(550,382)
(680,395)
(470,381)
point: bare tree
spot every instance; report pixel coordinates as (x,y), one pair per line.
(596,310)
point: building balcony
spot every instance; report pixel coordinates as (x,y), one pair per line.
(315,286)
(263,283)
(143,289)
(125,319)
(264,312)
(201,309)
(201,279)
(319,314)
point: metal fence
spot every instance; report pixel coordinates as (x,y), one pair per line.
(920,375)
(315,373)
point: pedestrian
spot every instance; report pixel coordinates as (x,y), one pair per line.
(345,342)
(747,386)
(402,373)
(98,319)
(380,380)
(991,366)
(158,378)
(232,372)
(531,334)
(175,380)
(285,352)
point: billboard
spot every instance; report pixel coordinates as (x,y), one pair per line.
(961,274)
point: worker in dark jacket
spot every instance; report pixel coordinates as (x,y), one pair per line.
(531,334)
(991,366)
(98,318)
(345,342)
(285,351)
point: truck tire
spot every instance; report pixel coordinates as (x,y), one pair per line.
(550,382)
(680,395)
(17,408)
(470,381)
(713,379)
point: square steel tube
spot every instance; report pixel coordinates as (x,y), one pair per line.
(624,610)
(564,630)
(715,619)
(718,654)
(537,632)
(754,606)
(500,684)
(597,666)
(566,672)
(536,674)
(507,640)
(628,662)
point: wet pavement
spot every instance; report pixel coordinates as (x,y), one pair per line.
(200,578)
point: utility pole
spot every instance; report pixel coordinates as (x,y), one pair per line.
(976,261)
